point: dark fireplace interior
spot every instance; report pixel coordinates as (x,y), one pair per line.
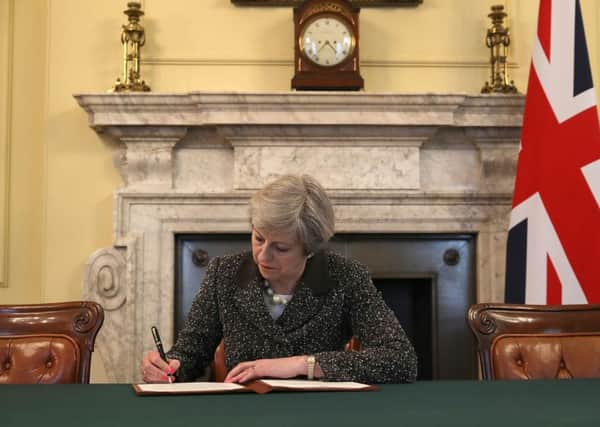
(427,280)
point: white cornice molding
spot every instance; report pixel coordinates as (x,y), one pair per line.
(195,109)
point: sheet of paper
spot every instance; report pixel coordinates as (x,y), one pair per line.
(314,385)
(199,387)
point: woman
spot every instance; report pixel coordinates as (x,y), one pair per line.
(287,308)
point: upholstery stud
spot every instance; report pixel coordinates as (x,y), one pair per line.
(7,365)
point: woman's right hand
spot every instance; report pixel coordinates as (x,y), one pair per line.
(156,370)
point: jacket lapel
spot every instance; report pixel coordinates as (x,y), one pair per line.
(309,294)
(308,299)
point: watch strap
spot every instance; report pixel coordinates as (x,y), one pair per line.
(310,367)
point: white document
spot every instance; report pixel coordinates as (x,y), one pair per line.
(198,387)
(313,385)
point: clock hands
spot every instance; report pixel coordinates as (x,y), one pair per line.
(327,44)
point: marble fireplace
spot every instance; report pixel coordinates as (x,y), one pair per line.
(392,163)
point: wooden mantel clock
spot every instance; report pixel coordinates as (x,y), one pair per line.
(326,46)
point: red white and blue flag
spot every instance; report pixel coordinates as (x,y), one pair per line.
(553,248)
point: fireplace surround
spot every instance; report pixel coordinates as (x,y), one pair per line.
(392,164)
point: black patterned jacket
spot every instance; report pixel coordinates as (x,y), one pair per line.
(334,300)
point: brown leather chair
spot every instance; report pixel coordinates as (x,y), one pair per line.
(537,341)
(219,369)
(48,343)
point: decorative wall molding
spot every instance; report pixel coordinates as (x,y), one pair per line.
(365,63)
(441,63)
(6,67)
(218,62)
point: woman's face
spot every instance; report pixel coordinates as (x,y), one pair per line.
(279,256)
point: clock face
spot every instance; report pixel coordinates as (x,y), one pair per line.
(327,41)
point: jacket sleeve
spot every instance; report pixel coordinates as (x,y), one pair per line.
(386,354)
(202,331)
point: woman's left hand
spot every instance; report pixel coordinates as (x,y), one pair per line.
(285,367)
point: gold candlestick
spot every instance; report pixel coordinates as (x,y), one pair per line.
(498,40)
(133,38)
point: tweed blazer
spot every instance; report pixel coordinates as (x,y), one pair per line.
(334,300)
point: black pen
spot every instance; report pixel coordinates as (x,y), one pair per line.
(160,348)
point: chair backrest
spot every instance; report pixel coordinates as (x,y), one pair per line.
(219,369)
(48,343)
(518,341)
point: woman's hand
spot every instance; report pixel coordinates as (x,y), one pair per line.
(285,367)
(156,370)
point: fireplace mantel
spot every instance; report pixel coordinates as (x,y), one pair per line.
(392,163)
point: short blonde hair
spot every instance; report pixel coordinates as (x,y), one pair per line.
(297,204)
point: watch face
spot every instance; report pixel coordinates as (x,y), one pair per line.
(327,41)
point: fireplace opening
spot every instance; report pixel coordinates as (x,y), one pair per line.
(427,280)
(411,302)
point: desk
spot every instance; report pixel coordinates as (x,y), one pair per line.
(440,403)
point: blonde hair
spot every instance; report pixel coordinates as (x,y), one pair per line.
(297,204)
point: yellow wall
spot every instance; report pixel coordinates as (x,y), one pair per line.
(23,96)
(56,174)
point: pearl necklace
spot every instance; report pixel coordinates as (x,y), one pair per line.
(275,298)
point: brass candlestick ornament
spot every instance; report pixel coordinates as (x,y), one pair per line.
(133,38)
(498,40)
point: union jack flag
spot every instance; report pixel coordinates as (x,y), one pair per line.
(553,247)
